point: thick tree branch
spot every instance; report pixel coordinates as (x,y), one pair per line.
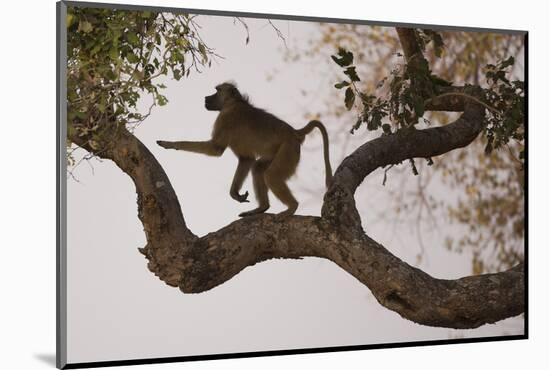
(158,207)
(339,204)
(409,43)
(463,303)
(198,264)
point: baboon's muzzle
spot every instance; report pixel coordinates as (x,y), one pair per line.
(209,102)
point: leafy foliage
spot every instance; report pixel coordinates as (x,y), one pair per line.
(413,84)
(115,56)
(506,121)
(410,86)
(426,36)
(376,55)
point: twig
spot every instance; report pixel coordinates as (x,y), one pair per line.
(464,96)
(512,154)
(245,27)
(386,175)
(279,33)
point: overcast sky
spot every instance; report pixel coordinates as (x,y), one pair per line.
(118,310)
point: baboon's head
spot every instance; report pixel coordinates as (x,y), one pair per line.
(225,93)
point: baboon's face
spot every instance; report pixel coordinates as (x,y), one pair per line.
(224,92)
(214,102)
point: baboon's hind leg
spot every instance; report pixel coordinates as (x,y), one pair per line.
(260,188)
(282,167)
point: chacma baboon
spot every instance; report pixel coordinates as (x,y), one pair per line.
(263,143)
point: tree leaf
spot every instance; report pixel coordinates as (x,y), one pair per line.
(344,58)
(113,53)
(508,62)
(202,50)
(352,74)
(85,26)
(132,38)
(70,20)
(350,98)
(161,99)
(341,84)
(95,49)
(132,58)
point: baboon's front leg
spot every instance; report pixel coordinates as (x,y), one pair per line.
(202,147)
(240,175)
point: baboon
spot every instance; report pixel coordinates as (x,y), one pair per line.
(264,144)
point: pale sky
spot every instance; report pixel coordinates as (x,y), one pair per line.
(119,310)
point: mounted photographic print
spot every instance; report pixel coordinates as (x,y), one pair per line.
(235,184)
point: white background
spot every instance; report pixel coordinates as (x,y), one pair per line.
(28,186)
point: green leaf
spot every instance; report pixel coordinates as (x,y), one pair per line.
(95,49)
(81,115)
(344,58)
(70,20)
(132,38)
(113,53)
(350,98)
(352,74)
(85,26)
(202,50)
(341,84)
(508,62)
(161,99)
(70,130)
(357,125)
(374,122)
(132,58)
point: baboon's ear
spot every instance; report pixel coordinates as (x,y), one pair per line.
(234,91)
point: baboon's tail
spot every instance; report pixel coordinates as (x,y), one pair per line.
(306,130)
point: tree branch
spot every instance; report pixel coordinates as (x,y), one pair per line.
(409,43)
(463,303)
(195,265)
(158,207)
(339,204)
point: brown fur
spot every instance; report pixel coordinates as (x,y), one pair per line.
(264,144)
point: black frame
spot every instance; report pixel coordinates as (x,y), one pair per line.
(61,194)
